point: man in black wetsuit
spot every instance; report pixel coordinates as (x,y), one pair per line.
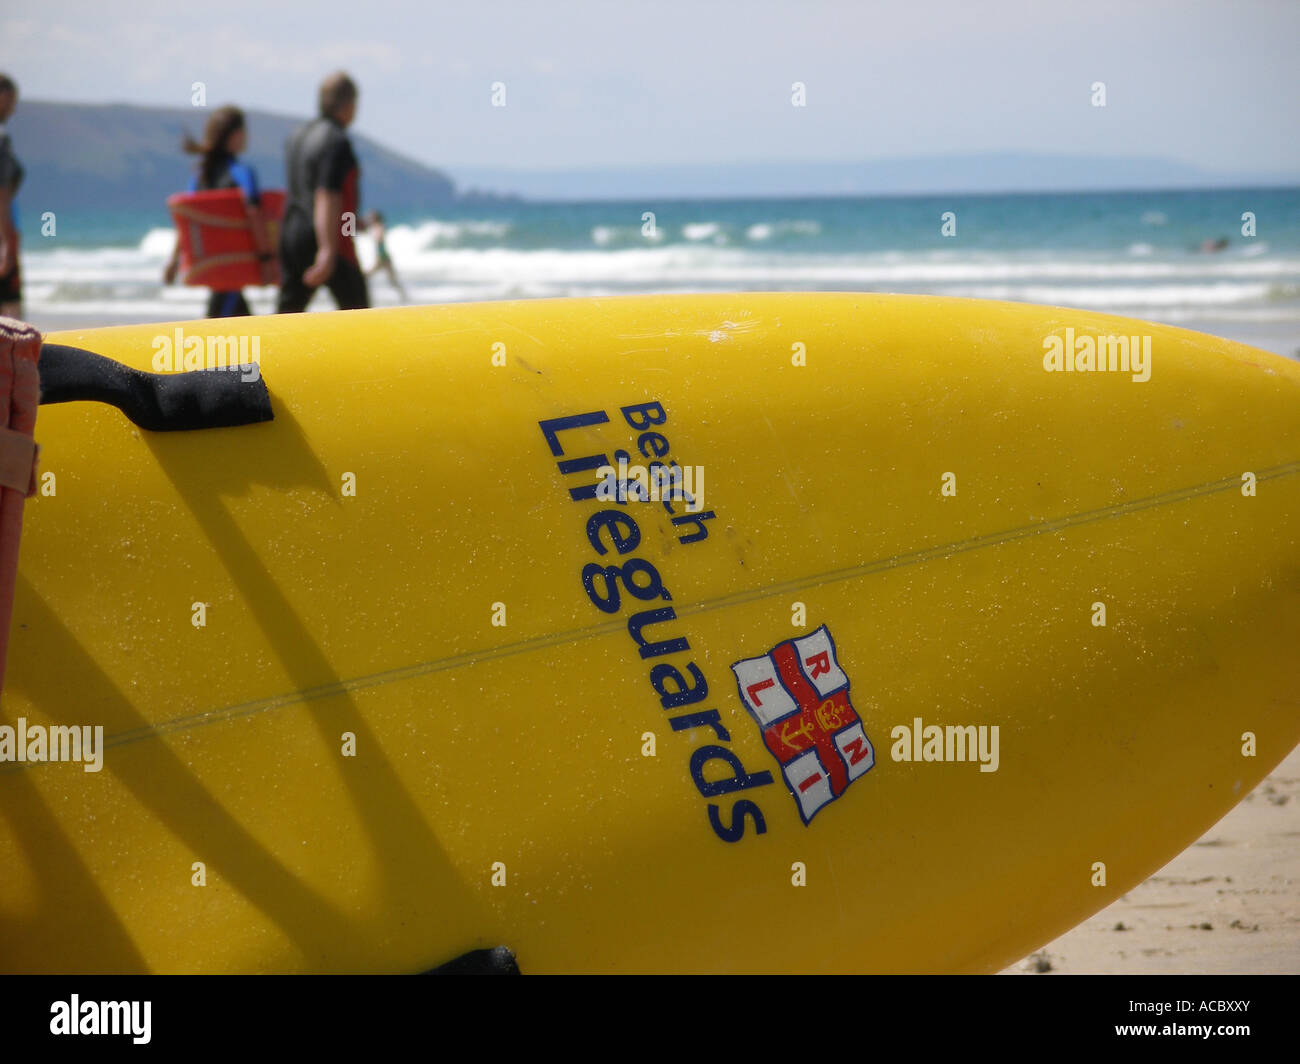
(320,213)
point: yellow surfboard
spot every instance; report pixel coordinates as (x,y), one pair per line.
(662,634)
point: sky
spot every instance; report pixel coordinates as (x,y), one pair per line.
(1212,83)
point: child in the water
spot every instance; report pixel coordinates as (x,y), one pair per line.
(374,225)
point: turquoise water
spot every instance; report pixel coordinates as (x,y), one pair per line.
(1134,253)
(1168,221)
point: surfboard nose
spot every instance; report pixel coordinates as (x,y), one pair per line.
(982,611)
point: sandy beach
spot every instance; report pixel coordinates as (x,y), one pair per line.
(1228,904)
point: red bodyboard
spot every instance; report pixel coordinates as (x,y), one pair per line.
(216,242)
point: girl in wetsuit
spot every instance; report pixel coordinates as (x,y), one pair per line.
(224,137)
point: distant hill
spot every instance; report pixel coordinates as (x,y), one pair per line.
(121,156)
(125,157)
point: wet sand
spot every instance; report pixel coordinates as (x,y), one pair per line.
(1228,904)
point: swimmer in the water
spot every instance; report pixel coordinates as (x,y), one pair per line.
(374,225)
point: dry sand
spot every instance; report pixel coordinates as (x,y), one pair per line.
(1228,904)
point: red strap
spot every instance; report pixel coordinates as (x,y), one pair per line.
(18,455)
(20,393)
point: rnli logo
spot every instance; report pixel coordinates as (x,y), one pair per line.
(799,696)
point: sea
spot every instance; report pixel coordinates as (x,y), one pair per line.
(1223,261)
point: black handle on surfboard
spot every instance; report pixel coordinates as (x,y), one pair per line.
(156,402)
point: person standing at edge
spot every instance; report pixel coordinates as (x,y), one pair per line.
(11,176)
(224,138)
(316,239)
